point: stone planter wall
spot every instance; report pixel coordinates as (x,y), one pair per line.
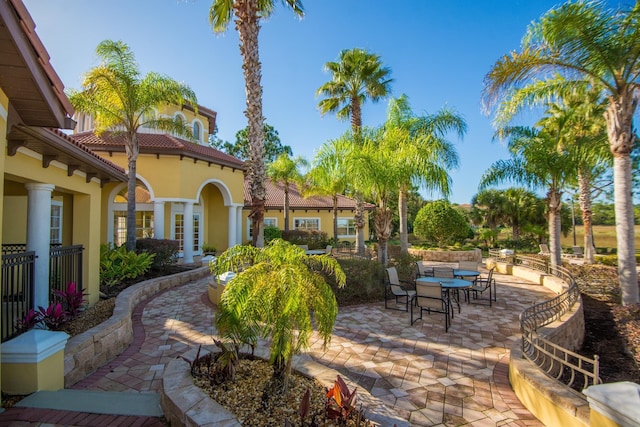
(447,256)
(549,400)
(86,352)
(185,404)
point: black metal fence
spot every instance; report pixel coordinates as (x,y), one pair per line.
(18,280)
(556,361)
(65,266)
(17,290)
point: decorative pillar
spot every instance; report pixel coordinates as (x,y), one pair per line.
(187,240)
(240,225)
(232,226)
(158,219)
(39,236)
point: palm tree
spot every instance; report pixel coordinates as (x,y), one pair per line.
(424,155)
(328,175)
(286,170)
(356,77)
(374,169)
(248,14)
(121,101)
(589,44)
(578,119)
(518,208)
(281,295)
(535,163)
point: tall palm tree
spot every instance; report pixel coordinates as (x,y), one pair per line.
(589,44)
(536,163)
(578,120)
(424,155)
(357,76)
(122,101)
(247,19)
(518,208)
(374,170)
(286,170)
(328,175)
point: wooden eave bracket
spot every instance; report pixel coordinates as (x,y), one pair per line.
(47,159)
(71,169)
(90,176)
(13,145)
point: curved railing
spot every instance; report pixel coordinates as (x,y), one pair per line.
(558,362)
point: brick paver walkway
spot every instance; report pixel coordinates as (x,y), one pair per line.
(429,377)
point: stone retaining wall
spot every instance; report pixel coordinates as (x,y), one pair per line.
(447,256)
(87,352)
(185,404)
(549,400)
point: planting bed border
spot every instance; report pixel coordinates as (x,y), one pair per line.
(185,404)
(92,349)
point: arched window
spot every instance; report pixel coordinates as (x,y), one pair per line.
(196,131)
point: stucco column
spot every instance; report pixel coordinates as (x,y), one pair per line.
(39,236)
(240,224)
(158,220)
(187,243)
(232,226)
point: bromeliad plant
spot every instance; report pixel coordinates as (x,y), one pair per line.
(278,293)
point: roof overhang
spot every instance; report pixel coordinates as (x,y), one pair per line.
(35,91)
(55,146)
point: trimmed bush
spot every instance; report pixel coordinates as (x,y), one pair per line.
(271,233)
(165,252)
(365,282)
(313,239)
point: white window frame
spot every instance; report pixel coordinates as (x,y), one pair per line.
(354,227)
(56,206)
(296,227)
(266,218)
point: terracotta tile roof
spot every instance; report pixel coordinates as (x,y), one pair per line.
(81,146)
(275,199)
(153,143)
(26,75)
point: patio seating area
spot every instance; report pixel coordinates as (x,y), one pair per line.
(428,376)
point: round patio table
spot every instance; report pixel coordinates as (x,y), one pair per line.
(448,285)
(465,273)
(315,252)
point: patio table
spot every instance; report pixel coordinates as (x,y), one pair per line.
(465,273)
(448,285)
(315,252)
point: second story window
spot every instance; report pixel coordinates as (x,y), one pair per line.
(196,131)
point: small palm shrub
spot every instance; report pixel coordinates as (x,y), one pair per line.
(279,293)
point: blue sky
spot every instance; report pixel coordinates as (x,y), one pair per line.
(438,51)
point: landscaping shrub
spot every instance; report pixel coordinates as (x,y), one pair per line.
(440,222)
(405,264)
(270,233)
(313,239)
(365,282)
(612,260)
(165,252)
(118,264)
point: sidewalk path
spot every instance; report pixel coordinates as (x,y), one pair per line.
(429,377)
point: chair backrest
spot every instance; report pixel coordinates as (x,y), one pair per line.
(304,247)
(392,276)
(577,251)
(468,265)
(444,272)
(328,249)
(429,295)
(487,283)
(544,249)
(424,270)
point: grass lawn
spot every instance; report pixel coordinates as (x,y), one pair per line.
(604,236)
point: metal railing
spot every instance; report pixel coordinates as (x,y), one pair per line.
(17,291)
(558,362)
(65,266)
